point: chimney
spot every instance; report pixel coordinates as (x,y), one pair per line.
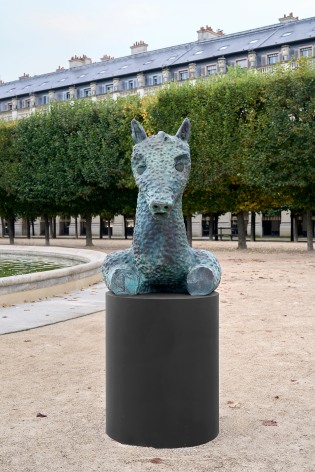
(206,32)
(24,76)
(77,61)
(287,19)
(106,57)
(139,46)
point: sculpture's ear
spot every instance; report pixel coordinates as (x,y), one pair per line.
(138,133)
(184,131)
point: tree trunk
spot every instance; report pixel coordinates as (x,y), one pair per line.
(309,230)
(46,223)
(109,229)
(76,227)
(241,231)
(216,227)
(295,229)
(189,229)
(28,228)
(3,227)
(11,229)
(101,228)
(125,227)
(33,228)
(253,226)
(54,228)
(211,227)
(88,219)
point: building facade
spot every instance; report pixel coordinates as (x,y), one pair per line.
(144,71)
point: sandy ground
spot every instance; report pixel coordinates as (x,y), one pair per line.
(267,300)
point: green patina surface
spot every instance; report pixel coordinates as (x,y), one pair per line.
(160,259)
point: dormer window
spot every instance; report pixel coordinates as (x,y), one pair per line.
(306,52)
(272,58)
(211,69)
(241,63)
(183,74)
(86,92)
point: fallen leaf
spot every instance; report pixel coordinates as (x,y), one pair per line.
(269,423)
(156,460)
(234,405)
(41,415)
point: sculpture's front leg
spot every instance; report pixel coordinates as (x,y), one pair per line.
(120,273)
(204,275)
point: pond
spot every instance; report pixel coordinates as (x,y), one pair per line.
(16,264)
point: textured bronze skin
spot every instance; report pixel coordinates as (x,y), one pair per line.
(160,259)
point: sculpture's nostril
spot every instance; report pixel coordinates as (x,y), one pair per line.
(159,207)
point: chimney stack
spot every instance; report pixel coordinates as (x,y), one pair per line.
(24,76)
(206,32)
(287,19)
(77,61)
(138,47)
(106,57)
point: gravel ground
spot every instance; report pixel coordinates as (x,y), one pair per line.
(52,384)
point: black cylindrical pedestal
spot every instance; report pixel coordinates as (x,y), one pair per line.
(162,375)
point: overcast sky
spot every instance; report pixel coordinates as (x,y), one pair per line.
(37,36)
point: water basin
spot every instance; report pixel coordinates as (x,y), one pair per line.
(22,264)
(77,269)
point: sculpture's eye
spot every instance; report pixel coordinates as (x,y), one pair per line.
(180,166)
(141,168)
(180,162)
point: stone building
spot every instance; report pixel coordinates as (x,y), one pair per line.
(144,71)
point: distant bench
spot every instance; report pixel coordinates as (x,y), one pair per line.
(226,231)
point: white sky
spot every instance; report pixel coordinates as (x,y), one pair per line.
(37,36)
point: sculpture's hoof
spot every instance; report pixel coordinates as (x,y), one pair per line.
(124,281)
(200,281)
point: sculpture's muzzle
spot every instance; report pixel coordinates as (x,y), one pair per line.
(160,208)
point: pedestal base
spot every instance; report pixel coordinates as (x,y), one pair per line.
(162,374)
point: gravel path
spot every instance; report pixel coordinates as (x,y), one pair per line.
(52,379)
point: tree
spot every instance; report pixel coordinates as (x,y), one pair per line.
(9,206)
(282,155)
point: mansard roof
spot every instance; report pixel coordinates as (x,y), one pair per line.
(264,38)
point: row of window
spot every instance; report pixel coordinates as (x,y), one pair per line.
(64,95)
(208,70)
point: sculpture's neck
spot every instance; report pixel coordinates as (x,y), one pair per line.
(172,225)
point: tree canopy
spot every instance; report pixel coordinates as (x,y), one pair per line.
(252,148)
